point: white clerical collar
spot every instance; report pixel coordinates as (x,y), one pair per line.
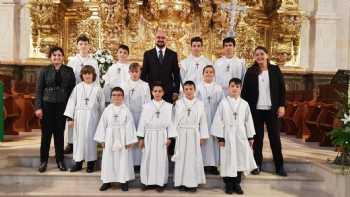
(233,99)
(158,103)
(230,58)
(195,58)
(117,106)
(208,84)
(132,82)
(81,57)
(88,84)
(123,64)
(188,101)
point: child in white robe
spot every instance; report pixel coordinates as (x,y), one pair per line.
(155,130)
(117,73)
(117,134)
(77,63)
(229,65)
(137,93)
(191,68)
(210,93)
(192,129)
(233,126)
(84,108)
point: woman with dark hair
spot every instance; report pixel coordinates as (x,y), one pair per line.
(264,90)
(54,87)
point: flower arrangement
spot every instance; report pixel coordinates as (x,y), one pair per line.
(104,60)
(341,136)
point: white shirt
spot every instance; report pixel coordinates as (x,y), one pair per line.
(264,100)
(163,50)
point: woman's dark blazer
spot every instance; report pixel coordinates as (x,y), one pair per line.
(250,90)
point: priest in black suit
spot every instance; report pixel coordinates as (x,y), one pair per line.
(161,64)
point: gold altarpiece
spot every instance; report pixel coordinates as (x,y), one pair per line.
(275,24)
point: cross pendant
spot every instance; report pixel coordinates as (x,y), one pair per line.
(235,115)
(197,65)
(86,101)
(132,91)
(227,68)
(188,112)
(209,98)
(118,70)
(116,117)
(157,114)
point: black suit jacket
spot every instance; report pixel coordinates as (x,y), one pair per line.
(250,90)
(167,73)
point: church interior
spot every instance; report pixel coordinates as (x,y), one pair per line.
(308,39)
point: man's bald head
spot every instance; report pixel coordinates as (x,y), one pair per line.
(160,38)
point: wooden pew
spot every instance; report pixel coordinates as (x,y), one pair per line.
(290,128)
(312,122)
(11,110)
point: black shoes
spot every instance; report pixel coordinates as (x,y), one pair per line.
(237,189)
(42,167)
(160,189)
(124,187)
(105,186)
(61,166)
(281,172)
(68,149)
(211,170)
(77,166)
(256,171)
(90,166)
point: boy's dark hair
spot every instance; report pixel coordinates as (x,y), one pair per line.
(190,83)
(83,38)
(54,49)
(208,66)
(236,81)
(123,46)
(196,39)
(87,69)
(156,84)
(229,40)
(134,66)
(117,89)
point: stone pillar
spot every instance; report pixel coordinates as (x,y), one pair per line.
(9,32)
(307,8)
(323,38)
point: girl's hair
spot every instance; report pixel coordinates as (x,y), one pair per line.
(208,66)
(88,70)
(256,63)
(53,50)
(157,84)
(117,89)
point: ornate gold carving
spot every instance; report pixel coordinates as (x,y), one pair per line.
(108,23)
(47,17)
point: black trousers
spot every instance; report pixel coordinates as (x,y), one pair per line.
(53,123)
(233,180)
(268,117)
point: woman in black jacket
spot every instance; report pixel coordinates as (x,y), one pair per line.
(264,90)
(54,87)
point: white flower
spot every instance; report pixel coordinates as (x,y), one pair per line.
(102,60)
(346,119)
